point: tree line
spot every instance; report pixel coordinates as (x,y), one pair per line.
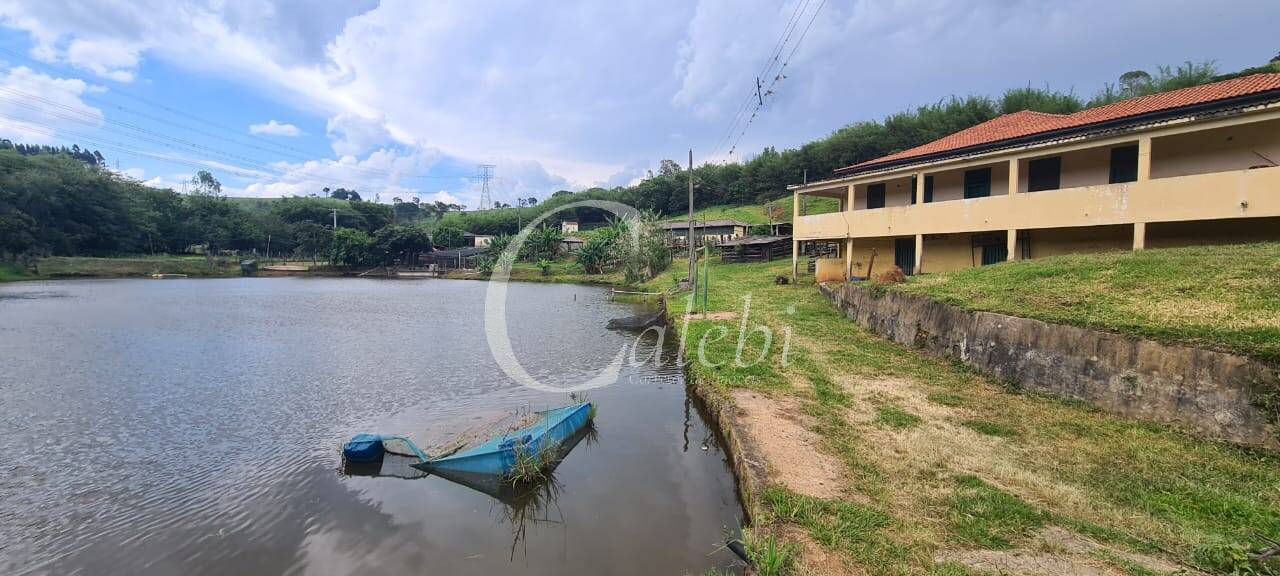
(766,176)
(63,201)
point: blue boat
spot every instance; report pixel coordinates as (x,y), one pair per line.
(541,441)
(537,447)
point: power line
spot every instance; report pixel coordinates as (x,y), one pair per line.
(303,157)
(777,77)
(783,38)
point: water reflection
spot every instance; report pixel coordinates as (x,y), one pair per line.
(205,417)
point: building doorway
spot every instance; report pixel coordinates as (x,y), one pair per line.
(904,255)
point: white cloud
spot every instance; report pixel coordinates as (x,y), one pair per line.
(274,128)
(22,118)
(106,58)
(351,134)
(443,196)
(566,97)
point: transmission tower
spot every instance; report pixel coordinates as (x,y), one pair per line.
(484,173)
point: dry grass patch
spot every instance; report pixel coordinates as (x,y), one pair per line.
(778,427)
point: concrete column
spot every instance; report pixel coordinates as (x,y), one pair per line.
(848,204)
(1144,158)
(919,192)
(1013,176)
(1012,245)
(919,265)
(795,258)
(848,259)
(1139,231)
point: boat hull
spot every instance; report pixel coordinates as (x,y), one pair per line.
(498,456)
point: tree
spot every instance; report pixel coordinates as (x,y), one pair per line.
(399,243)
(1135,82)
(344,194)
(772,212)
(448,236)
(204,184)
(312,239)
(350,248)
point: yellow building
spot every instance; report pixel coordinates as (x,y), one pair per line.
(1192,166)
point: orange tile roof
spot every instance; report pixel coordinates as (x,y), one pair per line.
(1029,123)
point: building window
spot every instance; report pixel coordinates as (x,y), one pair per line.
(977,183)
(1124,164)
(928,189)
(875,196)
(1044,174)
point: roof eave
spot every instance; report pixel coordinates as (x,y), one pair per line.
(1248,100)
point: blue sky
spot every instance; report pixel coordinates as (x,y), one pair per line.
(404,98)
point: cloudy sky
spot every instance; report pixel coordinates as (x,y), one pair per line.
(405,98)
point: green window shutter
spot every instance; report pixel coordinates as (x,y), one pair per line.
(1044,174)
(875,196)
(1124,164)
(977,183)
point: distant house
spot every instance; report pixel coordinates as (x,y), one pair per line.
(571,243)
(713,231)
(476,240)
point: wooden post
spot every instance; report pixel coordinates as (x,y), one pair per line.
(796,198)
(693,256)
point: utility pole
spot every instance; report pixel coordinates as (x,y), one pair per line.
(693,256)
(335,218)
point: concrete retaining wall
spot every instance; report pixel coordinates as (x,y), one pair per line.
(1203,391)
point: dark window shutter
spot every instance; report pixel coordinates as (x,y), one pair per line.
(875,196)
(1124,164)
(1044,174)
(977,183)
(928,189)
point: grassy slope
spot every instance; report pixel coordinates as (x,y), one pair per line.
(1224,297)
(754,213)
(941,459)
(62,266)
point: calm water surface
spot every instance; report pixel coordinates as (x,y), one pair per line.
(193,426)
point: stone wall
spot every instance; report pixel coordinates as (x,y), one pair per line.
(1202,391)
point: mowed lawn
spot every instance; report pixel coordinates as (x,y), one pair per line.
(1221,297)
(941,470)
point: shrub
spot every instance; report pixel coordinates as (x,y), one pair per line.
(350,247)
(448,236)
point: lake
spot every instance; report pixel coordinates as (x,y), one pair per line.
(194,426)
